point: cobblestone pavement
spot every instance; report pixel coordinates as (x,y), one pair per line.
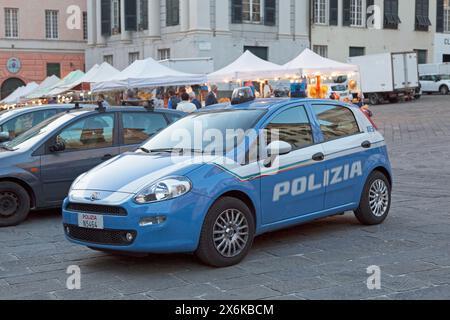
(326,259)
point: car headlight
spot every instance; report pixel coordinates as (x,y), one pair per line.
(165,189)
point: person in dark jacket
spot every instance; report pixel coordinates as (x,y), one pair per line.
(194,100)
(211,98)
(174,100)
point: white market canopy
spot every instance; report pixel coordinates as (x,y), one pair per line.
(148,73)
(310,63)
(99,73)
(66,84)
(19,93)
(43,87)
(247,67)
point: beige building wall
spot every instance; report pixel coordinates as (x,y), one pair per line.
(340,38)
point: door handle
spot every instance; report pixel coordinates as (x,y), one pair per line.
(318,157)
(107,157)
(366,144)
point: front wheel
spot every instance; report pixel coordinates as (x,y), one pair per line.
(227,233)
(375,201)
(14,204)
(444,90)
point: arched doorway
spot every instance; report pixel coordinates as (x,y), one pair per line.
(9,85)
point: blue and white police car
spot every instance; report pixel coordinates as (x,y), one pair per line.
(291,161)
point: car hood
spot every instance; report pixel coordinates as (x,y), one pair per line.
(129,173)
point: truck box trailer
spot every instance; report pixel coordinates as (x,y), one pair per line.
(388,76)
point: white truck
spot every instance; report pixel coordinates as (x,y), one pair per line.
(388,76)
(431,69)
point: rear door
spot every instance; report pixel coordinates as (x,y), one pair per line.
(345,146)
(139,126)
(88,141)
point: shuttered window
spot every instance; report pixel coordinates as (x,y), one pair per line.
(422,15)
(106,17)
(172,12)
(391,18)
(142,15)
(447,17)
(334,11)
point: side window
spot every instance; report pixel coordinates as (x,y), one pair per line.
(40,116)
(336,121)
(173,117)
(291,126)
(139,126)
(89,133)
(19,125)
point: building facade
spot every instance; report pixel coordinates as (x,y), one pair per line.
(121,31)
(345,28)
(39,39)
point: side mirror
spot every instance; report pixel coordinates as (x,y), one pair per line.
(4,136)
(57,147)
(275,149)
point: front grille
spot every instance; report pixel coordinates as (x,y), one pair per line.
(96,209)
(95,236)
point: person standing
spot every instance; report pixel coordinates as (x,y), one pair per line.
(211,98)
(185,105)
(173,100)
(194,100)
(267,90)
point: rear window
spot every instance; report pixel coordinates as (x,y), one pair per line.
(336,121)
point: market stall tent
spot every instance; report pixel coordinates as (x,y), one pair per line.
(247,67)
(147,73)
(19,93)
(43,88)
(310,63)
(66,84)
(100,73)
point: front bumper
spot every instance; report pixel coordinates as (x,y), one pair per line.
(180,232)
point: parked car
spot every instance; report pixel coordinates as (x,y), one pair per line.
(38,167)
(15,122)
(326,158)
(341,89)
(435,83)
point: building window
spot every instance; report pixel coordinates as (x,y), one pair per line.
(53,69)
(172,12)
(356,13)
(51,24)
(357,51)
(109,59)
(85,26)
(422,15)
(142,15)
(321,50)
(422,56)
(260,52)
(252,10)
(11,23)
(115,16)
(391,18)
(447,16)
(132,57)
(163,54)
(320,11)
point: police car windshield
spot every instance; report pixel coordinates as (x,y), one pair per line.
(206,132)
(30,137)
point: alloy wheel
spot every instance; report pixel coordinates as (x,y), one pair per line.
(231,233)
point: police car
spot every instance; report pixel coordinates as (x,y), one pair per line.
(292,161)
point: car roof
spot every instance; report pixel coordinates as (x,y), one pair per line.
(8,114)
(269,104)
(92,109)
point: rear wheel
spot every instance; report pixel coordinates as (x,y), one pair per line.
(444,90)
(374,99)
(227,233)
(375,201)
(14,204)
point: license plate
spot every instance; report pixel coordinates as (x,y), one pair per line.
(90,221)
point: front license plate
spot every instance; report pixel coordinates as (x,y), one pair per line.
(90,221)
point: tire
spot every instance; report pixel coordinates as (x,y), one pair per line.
(374,99)
(444,90)
(220,252)
(376,187)
(14,204)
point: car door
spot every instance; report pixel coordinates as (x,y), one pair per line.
(345,148)
(88,142)
(292,186)
(137,127)
(425,82)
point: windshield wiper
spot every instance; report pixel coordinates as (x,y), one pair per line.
(144,149)
(3,146)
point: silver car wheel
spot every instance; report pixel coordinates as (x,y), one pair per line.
(230,233)
(379,198)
